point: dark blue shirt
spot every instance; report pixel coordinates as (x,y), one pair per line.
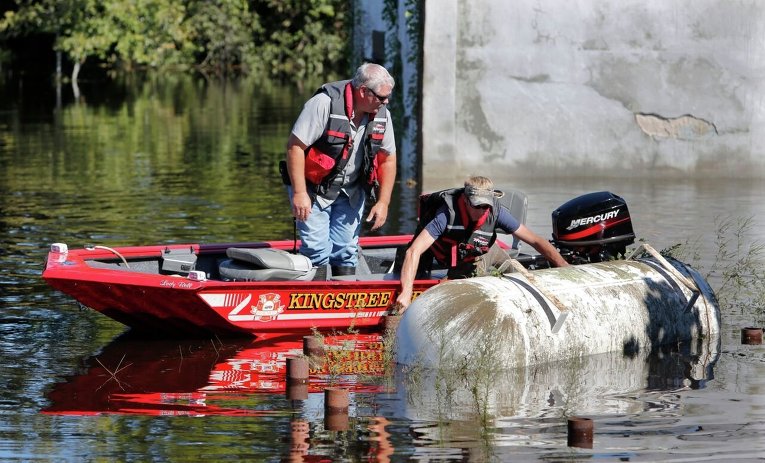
(505,222)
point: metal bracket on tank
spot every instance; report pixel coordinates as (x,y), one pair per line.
(692,286)
(557,323)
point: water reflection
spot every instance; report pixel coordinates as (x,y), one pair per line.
(236,378)
(478,412)
(209,377)
(480,404)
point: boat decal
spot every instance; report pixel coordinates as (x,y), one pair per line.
(593,219)
(226,301)
(352,300)
(216,300)
(593,229)
(274,303)
(330,315)
(268,308)
(299,306)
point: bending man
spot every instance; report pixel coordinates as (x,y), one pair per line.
(464,227)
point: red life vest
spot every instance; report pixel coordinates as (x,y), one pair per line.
(327,157)
(462,241)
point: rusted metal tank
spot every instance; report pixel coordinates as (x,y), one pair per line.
(527,318)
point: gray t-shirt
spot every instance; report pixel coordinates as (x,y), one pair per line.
(310,125)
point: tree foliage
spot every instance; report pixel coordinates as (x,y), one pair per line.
(292,39)
(224,33)
(303,38)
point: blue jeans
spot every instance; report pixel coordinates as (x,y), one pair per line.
(331,235)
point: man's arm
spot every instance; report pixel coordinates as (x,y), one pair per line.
(541,245)
(386,169)
(409,268)
(301,201)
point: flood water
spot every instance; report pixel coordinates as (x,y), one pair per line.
(170,161)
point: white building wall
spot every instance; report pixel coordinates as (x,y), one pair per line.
(550,88)
(579,88)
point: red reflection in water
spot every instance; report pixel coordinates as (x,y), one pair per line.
(209,377)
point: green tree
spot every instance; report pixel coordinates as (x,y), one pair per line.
(292,39)
(224,32)
(83,34)
(302,39)
(55,17)
(77,25)
(146,33)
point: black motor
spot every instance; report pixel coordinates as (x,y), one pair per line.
(593,227)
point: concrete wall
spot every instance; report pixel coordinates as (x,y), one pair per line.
(400,24)
(646,88)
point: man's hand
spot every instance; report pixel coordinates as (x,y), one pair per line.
(301,206)
(421,243)
(402,302)
(301,201)
(386,169)
(378,213)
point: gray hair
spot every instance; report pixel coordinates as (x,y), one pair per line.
(373,76)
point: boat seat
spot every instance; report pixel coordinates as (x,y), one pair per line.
(517,203)
(265,264)
(376,260)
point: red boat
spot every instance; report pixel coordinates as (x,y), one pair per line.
(199,289)
(266,288)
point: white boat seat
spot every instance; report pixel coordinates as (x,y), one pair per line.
(265,264)
(517,203)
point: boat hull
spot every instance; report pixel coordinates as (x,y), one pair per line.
(175,305)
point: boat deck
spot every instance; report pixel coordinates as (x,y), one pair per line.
(375,264)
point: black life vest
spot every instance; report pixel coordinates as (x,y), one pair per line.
(327,157)
(460,244)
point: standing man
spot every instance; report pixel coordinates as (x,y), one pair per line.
(341,150)
(463,225)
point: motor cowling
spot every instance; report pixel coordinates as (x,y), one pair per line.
(593,227)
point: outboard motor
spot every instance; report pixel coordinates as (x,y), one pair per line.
(593,227)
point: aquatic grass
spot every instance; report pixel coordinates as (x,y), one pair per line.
(737,272)
(447,374)
(339,359)
(327,361)
(459,381)
(113,374)
(389,350)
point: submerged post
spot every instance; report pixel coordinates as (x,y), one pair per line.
(580,432)
(313,345)
(336,404)
(751,335)
(297,378)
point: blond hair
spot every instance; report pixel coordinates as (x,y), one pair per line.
(479,182)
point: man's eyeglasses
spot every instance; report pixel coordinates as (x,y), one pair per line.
(381,99)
